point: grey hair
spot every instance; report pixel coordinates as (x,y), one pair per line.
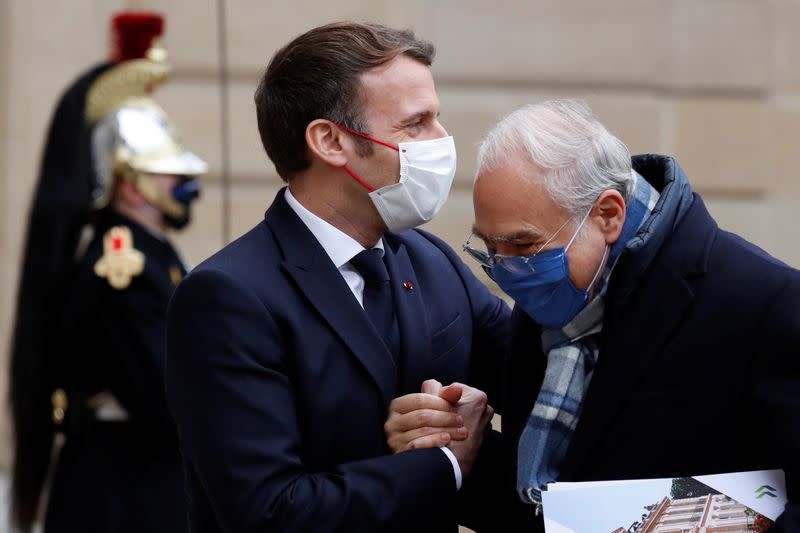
(580,158)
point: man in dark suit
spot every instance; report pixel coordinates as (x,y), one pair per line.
(646,342)
(286,348)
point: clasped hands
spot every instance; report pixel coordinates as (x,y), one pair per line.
(454,416)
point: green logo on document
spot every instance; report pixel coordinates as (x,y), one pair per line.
(765,490)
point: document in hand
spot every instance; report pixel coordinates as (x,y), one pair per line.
(737,502)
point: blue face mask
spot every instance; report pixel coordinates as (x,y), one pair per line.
(540,283)
(185,192)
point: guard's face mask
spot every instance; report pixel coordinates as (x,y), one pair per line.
(184,193)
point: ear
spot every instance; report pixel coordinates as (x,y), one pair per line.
(609,211)
(327,142)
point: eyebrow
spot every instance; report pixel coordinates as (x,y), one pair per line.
(525,235)
(428,113)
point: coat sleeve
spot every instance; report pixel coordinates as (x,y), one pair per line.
(777,390)
(230,391)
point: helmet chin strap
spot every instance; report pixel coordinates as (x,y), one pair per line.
(157,197)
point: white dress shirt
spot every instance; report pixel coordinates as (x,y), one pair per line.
(341,248)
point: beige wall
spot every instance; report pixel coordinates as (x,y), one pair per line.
(714,82)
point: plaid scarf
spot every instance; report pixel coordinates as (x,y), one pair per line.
(571,357)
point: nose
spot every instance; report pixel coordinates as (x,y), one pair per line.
(438,130)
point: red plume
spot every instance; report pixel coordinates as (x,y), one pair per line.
(132,33)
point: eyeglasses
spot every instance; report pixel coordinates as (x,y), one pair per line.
(513,263)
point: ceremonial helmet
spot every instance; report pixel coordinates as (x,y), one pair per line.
(131,135)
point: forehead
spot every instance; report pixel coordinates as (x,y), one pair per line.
(397,89)
(512,199)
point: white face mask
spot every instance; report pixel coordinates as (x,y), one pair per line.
(427,169)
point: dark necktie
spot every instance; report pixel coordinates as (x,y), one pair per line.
(378,303)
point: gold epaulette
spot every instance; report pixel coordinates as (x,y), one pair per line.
(121,262)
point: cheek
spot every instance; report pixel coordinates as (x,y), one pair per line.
(166,184)
(387,167)
(379,169)
(584,259)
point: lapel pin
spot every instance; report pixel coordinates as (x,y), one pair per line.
(408,285)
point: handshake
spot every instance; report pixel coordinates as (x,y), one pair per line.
(454,416)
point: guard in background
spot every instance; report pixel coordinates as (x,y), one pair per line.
(98,272)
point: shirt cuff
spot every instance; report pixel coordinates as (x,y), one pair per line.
(456,468)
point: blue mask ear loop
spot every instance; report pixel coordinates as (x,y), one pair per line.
(599,268)
(605,250)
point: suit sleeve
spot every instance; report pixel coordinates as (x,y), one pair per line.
(229,387)
(777,389)
(490,323)
(487,501)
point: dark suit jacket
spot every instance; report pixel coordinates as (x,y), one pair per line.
(280,385)
(698,372)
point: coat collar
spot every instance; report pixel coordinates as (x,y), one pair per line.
(640,320)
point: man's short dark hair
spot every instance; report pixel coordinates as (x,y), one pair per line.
(317,76)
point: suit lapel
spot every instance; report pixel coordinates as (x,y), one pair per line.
(414,336)
(321,282)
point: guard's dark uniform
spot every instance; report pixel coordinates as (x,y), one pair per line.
(89,335)
(120,474)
